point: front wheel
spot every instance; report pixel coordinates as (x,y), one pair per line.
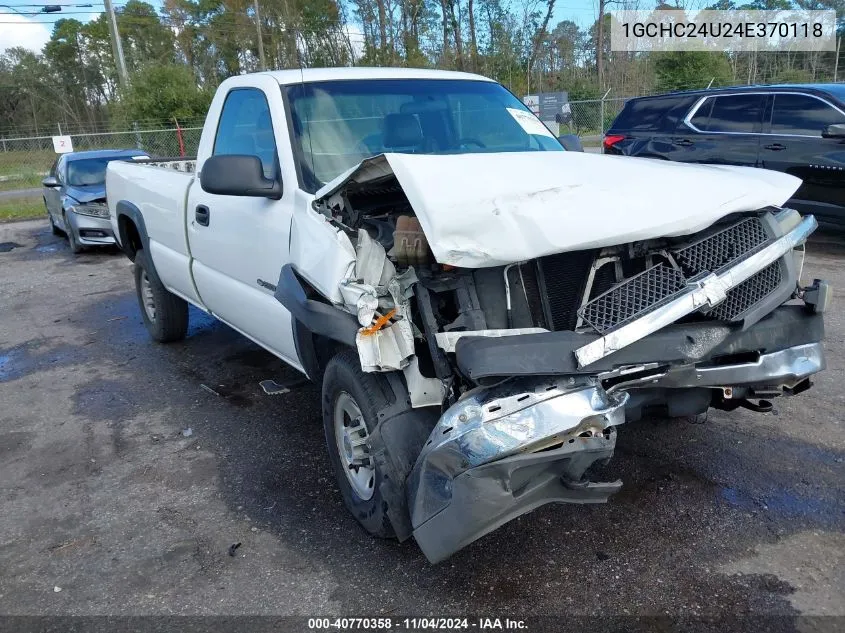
(75,246)
(53,228)
(351,402)
(165,315)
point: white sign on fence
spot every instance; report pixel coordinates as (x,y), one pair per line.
(62,144)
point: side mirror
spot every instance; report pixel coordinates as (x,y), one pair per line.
(571,143)
(50,181)
(238,175)
(837,130)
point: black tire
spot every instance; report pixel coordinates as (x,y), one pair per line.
(75,247)
(53,228)
(343,375)
(167,321)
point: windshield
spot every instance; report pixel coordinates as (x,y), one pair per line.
(89,171)
(336,124)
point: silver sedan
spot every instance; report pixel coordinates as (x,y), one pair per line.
(75,196)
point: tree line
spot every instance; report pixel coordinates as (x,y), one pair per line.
(177,57)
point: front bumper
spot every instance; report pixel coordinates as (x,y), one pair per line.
(552,353)
(91,230)
(785,368)
(502,451)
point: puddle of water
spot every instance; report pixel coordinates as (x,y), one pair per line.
(5,365)
(736,498)
(49,248)
(783,503)
(5,247)
(9,366)
(200,321)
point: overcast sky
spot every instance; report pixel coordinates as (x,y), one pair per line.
(33,31)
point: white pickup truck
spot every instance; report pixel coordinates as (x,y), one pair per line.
(483,309)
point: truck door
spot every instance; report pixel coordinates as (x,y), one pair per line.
(239,244)
(794,144)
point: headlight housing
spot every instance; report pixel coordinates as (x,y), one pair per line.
(93,209)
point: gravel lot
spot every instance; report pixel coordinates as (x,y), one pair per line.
(107,495)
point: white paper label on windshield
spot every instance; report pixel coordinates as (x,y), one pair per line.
(529,123)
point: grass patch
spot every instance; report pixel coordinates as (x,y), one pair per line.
(22,170)
(22,209)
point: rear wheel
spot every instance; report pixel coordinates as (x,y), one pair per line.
(165,315)
(351,402)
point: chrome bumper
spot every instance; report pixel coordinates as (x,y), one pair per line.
(778,369)
(709,291)
(503,451)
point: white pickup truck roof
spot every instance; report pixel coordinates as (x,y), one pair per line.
(295,76)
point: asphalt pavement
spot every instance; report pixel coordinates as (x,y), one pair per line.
(128,470)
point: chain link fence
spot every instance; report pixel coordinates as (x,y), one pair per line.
(25,160)
(591,119)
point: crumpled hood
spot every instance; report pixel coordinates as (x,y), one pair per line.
(480,210)
(86,193)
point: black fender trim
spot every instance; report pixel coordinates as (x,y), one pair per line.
(395,445)
(126,208)
(320,318)
(303,341)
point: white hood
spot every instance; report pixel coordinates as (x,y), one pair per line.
(480,210)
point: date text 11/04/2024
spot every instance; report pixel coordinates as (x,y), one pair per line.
(417,624)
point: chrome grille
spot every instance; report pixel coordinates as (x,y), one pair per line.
(632,298)
(646,291)
(715,251)
(748,293)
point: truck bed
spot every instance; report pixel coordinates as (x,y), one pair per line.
(158,191)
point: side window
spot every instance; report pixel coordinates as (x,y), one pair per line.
(800,114)
(60,169)
(53,168)
(730,113)
(245,127)
(702,116)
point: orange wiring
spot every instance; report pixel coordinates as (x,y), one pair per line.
(379,324)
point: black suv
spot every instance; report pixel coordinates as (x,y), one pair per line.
(798,129)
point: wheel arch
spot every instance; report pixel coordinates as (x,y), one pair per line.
(132,232)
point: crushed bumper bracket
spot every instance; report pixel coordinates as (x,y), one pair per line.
(487,497)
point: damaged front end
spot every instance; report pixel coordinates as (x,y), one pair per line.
(532,364)
(501,451)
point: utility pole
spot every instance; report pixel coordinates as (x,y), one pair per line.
(261,59)
(836,63)
(117,47)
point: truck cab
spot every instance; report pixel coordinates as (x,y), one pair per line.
(483,309)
